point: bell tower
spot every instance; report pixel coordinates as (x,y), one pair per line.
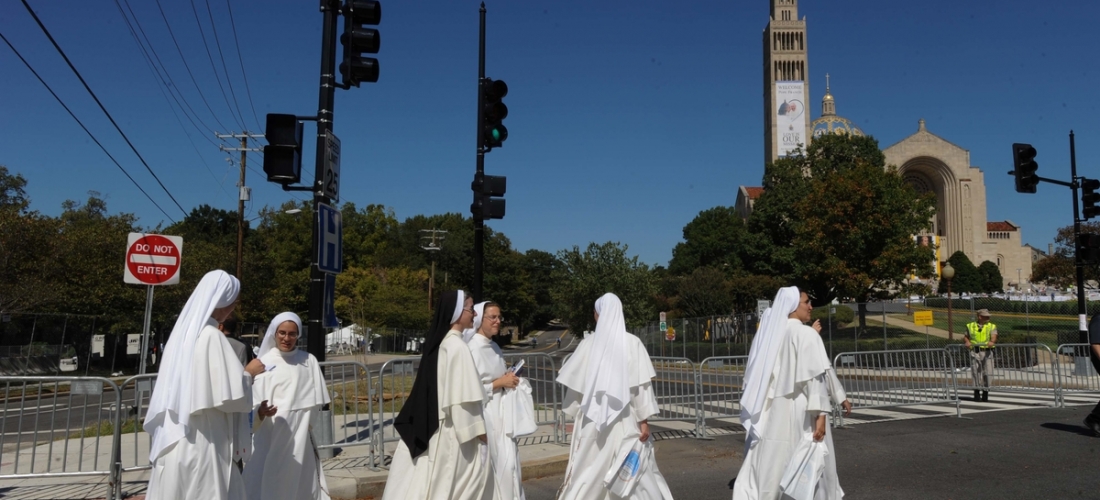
(786,85)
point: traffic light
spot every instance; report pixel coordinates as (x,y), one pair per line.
(358,39)
(493,112)
(487,190)
(1024,167)
(283,152)
(1088,249)
(1089,197)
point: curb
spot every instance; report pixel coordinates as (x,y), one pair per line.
(347,488)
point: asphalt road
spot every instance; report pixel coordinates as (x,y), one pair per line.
(1023,454)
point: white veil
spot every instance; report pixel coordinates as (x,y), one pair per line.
(605,385)
(469,333)
(170,406)
(269,337)
(766,344)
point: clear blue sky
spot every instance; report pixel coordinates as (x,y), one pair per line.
(626,118)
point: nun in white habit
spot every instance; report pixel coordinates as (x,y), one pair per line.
(610,396)
(507,480)
(198,413)
(284,464)
(785,398)
(441,454)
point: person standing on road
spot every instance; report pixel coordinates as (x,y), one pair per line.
(507,481)
(785,396)
(284,463)
(198,412)
(440,454)
(1092,420)
(610,396)
(980,340)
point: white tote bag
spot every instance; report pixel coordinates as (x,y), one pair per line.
(804,470)
(519,411)
(628,466)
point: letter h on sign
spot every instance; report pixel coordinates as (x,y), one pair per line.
(330,247)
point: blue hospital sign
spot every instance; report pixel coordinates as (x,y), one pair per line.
(330,243)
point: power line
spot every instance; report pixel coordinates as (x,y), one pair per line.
(173,88)
(185,65)
(210,57)
(101,106)
(225,69)
(240,59)
(96,141)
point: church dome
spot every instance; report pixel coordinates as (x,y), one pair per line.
(830,123)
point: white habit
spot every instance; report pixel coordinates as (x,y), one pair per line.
(594,447)
(199,464)
(284,464)
(797,392)
(503,453)
(454,467)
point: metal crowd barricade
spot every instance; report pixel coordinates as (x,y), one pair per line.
(883,379)
(720,383)
(395,381)
(675,388)
(1075,370)
(1024,368)
(133,444)
(539,369)
(79,413)
(349,385)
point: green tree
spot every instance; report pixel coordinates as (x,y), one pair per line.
(990,278)
(704,292)
(539,268)
(1059,269)
(380,297)
(713,238)
(583,276)
(28,246)
(967,279)
(836,221)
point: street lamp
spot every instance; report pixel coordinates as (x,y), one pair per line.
(948,274)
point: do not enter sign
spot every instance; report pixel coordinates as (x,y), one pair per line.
(153,259)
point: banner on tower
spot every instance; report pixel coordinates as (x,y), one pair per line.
(790,116)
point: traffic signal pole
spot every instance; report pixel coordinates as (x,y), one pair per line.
(479,222)
(315,333)
(1082,308)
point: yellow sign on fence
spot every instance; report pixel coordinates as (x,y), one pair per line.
(922,318)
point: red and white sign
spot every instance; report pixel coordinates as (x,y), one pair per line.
(153,259)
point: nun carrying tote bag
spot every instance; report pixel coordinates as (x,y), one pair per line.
(804,470)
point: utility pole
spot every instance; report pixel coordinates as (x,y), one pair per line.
(432,241)
(244,192)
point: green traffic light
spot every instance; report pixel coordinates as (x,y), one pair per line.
(496,134)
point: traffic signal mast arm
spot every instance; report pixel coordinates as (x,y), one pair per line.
(1044,179)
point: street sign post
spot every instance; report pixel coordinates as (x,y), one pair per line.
(330,247)
(331,186)
(151,260)
(330,321)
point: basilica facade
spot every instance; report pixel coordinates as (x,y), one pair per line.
(928,162)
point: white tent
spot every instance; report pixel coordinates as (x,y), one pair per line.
(346,336)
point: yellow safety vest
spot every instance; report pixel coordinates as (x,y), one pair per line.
(979,337)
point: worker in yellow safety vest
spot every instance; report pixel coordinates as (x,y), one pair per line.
(981,338)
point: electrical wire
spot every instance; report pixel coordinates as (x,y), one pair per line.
(188,67)
(240,59)
(101,106)
(225,69)
(210,57)
(96,141)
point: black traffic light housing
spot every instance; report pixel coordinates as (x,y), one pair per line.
(487,192)
(283,152)
(1088,249)
(358,39)
(1089,198)
(493,113)
(1024,168)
